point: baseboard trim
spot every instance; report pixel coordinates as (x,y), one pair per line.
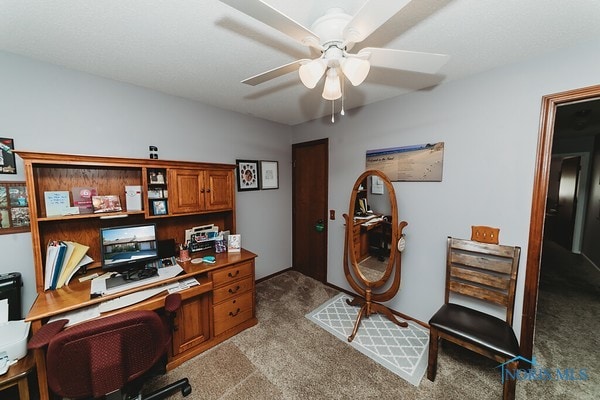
(264,278)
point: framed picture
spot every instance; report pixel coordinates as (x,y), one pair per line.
(247,175)
(7,157)
(14,208)
(156,178)
(159,207)
(269,175)
(103,204)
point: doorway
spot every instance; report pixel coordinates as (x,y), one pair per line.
(310,172)
(538,209)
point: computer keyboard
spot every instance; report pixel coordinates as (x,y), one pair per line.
(132,298)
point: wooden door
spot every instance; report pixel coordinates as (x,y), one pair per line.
(310,171)
(218,190)
(185,185)
(567,201)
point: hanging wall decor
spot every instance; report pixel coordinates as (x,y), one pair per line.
(14,208)
(7,157)
(419,163)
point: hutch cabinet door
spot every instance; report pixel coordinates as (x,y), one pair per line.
(187,185)
(219,190)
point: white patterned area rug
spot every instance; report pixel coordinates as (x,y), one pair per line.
(401,350)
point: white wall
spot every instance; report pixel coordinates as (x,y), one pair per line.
(52,109)
(489,124)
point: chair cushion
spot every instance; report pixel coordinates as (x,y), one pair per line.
(478,328)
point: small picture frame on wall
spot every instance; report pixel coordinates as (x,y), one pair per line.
(7,157)
(247,175)
(14,208)
(269,175)
(159,207)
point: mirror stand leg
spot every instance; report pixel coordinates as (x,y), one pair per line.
(362,311)
(378,308)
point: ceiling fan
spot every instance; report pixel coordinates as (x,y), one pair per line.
(334,34)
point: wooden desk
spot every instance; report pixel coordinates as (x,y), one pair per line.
(17,375)
(361,230)
(201,306)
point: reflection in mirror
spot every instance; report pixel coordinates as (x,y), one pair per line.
(371,256)
(373,213)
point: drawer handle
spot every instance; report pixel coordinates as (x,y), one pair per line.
(233,314)
(237,272)
(232,291)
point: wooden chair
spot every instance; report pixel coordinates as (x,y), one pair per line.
(488,273)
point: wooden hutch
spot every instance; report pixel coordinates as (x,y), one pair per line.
(195,194)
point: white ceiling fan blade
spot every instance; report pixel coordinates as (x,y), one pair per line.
(276,19)
(371,16)
(275,72)
(428,63)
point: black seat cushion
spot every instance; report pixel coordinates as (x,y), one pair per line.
(478,328)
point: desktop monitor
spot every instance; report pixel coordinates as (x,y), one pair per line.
(128,247)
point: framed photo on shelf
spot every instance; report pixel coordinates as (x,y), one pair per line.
(269,175)
(247,175)
(155,193)
(108,203)
(7,157)
(159,207)
(157,178)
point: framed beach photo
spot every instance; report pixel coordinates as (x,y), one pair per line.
(247,175)
(269,175)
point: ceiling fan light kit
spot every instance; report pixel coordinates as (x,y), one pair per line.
(311,72)
(333,88)
(334,34)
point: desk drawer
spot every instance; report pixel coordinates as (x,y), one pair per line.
(230,274)
(232,312)
(231,290)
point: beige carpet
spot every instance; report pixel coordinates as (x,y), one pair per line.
(286,356)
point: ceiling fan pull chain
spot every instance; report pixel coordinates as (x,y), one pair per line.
(342,112)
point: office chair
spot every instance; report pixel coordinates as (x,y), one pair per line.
(109,356)
(485,272)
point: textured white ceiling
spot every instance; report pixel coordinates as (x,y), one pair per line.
(202,49)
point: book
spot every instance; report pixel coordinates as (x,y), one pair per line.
(82,198)
(109,203)
(75,254)
(51,253)
(55,254)
(57,203)
(84,261)
(234,243)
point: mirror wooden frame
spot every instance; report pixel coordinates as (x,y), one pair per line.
(367,299)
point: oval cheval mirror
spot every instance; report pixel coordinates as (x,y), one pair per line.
(372,246)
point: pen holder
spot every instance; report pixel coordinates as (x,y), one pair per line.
(184,255)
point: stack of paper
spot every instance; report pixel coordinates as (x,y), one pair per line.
(63,259)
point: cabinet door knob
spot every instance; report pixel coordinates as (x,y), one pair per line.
(208,190)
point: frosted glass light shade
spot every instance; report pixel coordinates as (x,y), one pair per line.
(356,70)
(333,88)
(311,72)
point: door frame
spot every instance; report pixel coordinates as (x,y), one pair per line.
(538,207)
